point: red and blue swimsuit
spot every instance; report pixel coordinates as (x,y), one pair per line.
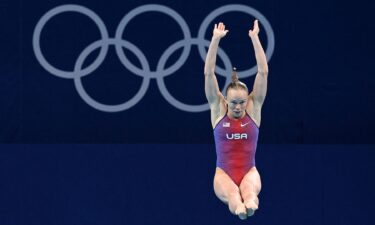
(236,143)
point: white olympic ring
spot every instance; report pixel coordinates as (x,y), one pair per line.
(145,71)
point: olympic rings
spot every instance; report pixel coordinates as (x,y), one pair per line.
(145,72)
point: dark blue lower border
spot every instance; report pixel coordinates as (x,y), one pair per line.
(172,184)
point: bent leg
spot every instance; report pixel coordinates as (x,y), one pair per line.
(228,192)
(250,187)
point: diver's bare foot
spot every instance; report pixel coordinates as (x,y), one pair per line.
(241,212)
(250,208)
(250,211)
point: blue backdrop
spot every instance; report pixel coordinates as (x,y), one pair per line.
(320,82)
(121,135)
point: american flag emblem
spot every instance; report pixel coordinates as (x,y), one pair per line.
(226,124)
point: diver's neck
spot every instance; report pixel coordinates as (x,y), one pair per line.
(230,116)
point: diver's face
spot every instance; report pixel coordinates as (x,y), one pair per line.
(237,102)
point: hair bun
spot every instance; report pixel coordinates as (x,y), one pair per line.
(234,75)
